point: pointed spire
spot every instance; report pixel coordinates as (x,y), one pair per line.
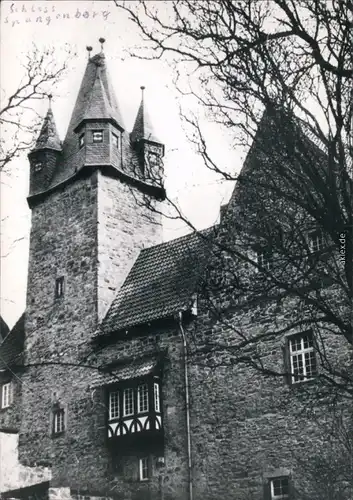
(48,137)
(96,97)
(143,129)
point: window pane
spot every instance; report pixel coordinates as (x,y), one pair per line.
(280,489)
(128,402)
(142,398)
(59,421)
(114,405)
(98,136)
(116,141)
(81,140)
(144,469)
(303,357)
(5,396)
(156,398)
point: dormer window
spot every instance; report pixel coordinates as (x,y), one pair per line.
(38,166)
(97,136)
(81,140)
(116,141)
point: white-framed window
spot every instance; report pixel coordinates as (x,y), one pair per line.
(6,395)
(157,403)
(302,357)
(279,487)
(81,140)
(144,469)
(264,259)
(116,140)
(97,136)
(59,287)
(38,166)
(128,402)
(142,398)
(59,421)
(114,406)
(316,241)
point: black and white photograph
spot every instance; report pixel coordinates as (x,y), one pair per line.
(176,222)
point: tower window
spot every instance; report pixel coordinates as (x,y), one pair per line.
(144,469)
(116,141)
(59,421)
(59,287)
(81,140)
(97,136)
(38,166)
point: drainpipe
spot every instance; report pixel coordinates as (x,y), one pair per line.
(187,404)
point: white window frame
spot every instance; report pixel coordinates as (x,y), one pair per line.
(114,405)
(144,472)
(142,400)
(59,423)
(38,166)
(97,136)
(272,489)
(316,241)
(6,395)
(59,286)
(156,397)
(301,352)
(130,390)
(264,260)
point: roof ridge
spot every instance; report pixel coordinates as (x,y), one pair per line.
(196,232)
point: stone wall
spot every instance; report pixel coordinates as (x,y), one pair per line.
(13,474)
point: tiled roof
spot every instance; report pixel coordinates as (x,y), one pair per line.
(48,137)
(161,282)
(133,369)
(12,346)
(4,329)
(143,128)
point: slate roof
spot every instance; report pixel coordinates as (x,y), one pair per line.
(4,329)
(161,282)
(48,137)
(12,346)
(143,128)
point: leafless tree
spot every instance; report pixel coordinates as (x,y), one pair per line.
(280,72)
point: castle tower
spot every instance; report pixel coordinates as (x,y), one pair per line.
(89,223)
(45,154)
(149,148)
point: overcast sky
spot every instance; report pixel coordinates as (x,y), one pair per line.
(78,24)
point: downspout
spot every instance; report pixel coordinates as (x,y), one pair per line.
(187,405)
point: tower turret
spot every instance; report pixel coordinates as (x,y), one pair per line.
(45,155)
(149,148)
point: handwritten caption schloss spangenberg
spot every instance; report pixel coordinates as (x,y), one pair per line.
(19,14)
